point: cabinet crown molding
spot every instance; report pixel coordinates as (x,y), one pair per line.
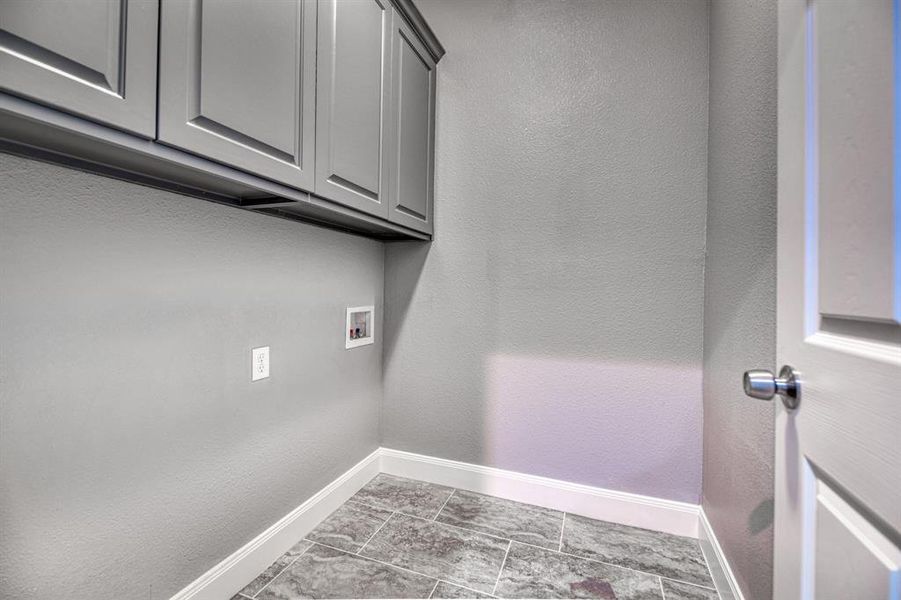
(408,10)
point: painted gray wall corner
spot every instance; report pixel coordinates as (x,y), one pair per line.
(740,294)
(554,326)
(136,453)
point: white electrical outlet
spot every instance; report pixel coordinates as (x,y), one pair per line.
(259,363)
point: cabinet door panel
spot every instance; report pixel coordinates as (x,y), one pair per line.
(93,58)
(237,84)
(353,93)
(413,106)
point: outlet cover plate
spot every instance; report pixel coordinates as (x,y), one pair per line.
(259,366)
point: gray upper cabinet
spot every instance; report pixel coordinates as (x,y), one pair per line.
(237,84)
(92,58)
(317,110)
(352,106)
(413,118)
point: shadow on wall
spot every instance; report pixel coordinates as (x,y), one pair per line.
(761,517)
(408,259)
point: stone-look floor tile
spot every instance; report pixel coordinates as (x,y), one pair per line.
(298,549)
(531,572)
(324,572)
(274,569)
(674,590)
(504,518)
(266,576)
(349,527)
(664,554)
(449,590)
(240,597)
(455,555)
(409,496)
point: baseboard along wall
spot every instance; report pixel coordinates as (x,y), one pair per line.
(229,576)
(723,577)
(670,516)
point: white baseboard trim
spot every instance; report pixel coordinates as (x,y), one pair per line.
(723,577)
(228,577)
(680,518)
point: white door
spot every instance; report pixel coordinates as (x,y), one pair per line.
(838,454)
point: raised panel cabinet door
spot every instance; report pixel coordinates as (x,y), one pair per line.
(411,182)
(237,84)
(353,90)
(92,58)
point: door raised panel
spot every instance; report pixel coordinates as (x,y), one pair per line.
(93,58)
(855,94)
(237,84)
(413,107)
(853,558)
(352,103)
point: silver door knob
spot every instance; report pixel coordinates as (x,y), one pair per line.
(765,385)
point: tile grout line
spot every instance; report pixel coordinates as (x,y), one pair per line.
(374,533)
(296,558)
(273,577)
(453,491)
(367,505)
(562,529)
(393,566)
(560,551)
(438,580)
(594,560)
(375,560)
(443,524)
(682,581)
(501,571)
(468,589)
(609,564)
(477,532)
(466,529)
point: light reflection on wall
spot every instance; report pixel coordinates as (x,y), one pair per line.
(627,426)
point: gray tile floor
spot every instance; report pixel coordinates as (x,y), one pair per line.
(400,538)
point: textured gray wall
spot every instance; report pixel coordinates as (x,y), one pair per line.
(554,326)
(135,453)
(740,298)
